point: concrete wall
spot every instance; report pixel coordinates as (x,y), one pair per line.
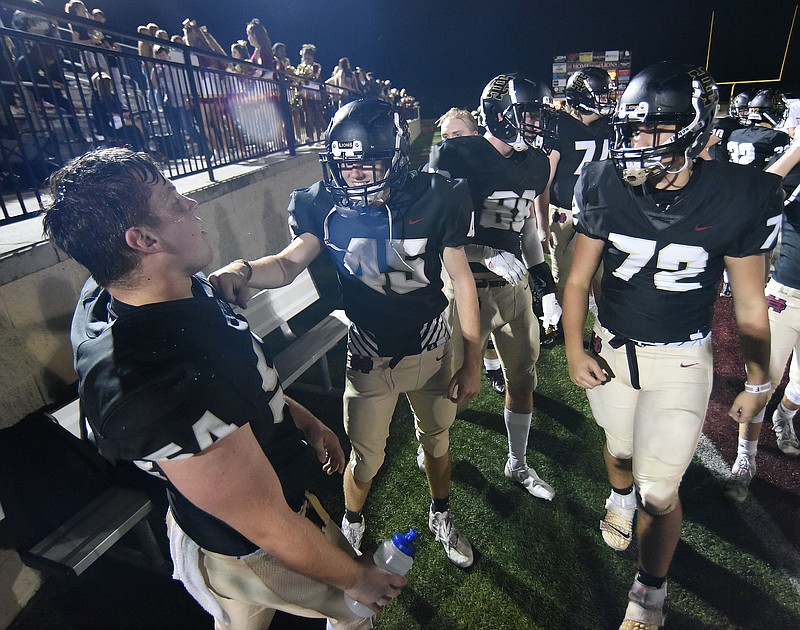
(246,217)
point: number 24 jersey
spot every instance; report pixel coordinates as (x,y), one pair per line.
(660,280)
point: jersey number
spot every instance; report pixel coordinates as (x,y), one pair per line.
(402,256)
(589,147)
(506,210)
(677,262)
(741,152)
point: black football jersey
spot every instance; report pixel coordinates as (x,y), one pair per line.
(659,281)
(787,269)
(756,146)
(503,189)
(389,259)
(577,144)
(167,380)
(723,128)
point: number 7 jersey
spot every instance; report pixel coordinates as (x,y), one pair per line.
(660,278)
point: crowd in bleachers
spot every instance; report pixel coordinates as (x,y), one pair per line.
(68,84)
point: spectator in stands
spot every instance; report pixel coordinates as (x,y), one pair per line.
(112,119)
(217,121)
(87,37)
(282,63)
(311,96)
(262,46)
(166,80)
(240,51)
(344,79)
(233,448)
(41,65)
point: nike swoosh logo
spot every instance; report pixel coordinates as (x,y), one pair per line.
(440,358)
(415,221)
(686,365)
(700,228)
(618,531)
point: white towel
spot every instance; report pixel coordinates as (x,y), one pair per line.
(185,554)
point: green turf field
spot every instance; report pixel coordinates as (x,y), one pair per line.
(542,564)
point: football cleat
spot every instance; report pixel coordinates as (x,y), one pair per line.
(742,473)
(645,607)
(617,526)
(785,435)
(456,545)
(529,480)
(497,380)
(354,532)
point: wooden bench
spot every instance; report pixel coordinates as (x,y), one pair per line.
(75,545)
(271,309)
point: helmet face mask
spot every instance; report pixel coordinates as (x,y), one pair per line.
(519,112)
(589,92)
(675,103)
(366,153)
(738,108)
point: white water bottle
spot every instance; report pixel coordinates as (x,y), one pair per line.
(395,554)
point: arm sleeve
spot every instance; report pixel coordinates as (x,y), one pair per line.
(458,225)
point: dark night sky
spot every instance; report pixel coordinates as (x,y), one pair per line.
(444,52)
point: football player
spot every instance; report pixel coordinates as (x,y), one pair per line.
(783,302)
(171,378)
(724,126)
(456,123)
(583,137)
(505,175)
(758,143)
(663,225)
(388,230)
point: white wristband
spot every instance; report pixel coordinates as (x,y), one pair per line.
(757,389)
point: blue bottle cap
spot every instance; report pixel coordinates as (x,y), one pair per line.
(405,542)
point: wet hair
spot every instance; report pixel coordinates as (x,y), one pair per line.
(95,199)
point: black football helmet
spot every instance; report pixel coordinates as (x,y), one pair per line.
(738,107)
(367,132)
(665,94)
(519,111)
(589,91)
(767,106)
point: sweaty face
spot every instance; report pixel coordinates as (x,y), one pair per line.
(456,128)
(179,229)
(363,173)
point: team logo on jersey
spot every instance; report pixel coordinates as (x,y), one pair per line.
(776,304)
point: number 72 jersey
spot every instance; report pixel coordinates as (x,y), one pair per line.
(660,278)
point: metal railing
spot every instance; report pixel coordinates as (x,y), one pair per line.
(194,112)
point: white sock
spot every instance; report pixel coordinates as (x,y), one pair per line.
(518,425)
(491,364)
(784,413)
(625,501)
(747,447)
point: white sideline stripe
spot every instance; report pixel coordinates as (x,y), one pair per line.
(782,552)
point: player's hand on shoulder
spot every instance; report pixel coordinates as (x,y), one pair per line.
(376,586)
(585,371)
(231,284)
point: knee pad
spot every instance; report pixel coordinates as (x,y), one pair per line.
(435,444)
(653,509)
(792,392)
(522,381)
(365,469)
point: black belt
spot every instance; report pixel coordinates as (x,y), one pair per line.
(485,284)
(630,353)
